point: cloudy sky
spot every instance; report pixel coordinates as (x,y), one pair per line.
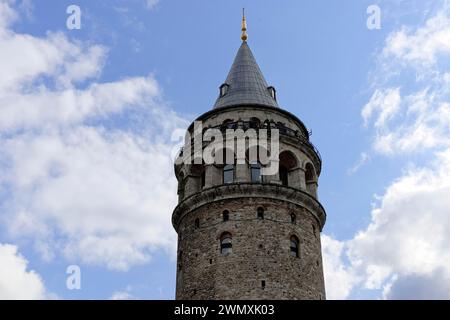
(89,120)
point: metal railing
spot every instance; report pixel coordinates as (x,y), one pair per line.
(282,129)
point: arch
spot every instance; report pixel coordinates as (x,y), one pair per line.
(293,218)
(310,173)
(226,243)
(288,158)
(311,179)
(260,213)
(288,162)
(254,123)
(224,89)
(272,92)
(294,246)
(205,129)
(225,215)
(228,124)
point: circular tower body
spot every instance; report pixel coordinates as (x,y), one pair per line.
(246,233)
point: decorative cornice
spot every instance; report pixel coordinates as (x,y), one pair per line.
(212,112)
(249,190)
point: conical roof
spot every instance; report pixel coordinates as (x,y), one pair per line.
(245,83)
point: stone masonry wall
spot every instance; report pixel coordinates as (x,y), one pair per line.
(260,252)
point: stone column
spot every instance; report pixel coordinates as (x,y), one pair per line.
(242,173)
(311,188)
(274,178)
(302,181)
(295,178)
(192,185)
(209,176)
(216,175)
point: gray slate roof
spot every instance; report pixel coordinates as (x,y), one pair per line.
(246,82)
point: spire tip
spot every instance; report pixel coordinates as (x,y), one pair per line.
(244,35)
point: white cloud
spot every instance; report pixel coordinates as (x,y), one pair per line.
(386,103)
(7,15)
(26,60)
(107,194)
(433,286)
(406,243)
(16,282)
(86,166)
(71,106)
(424,45)
(404,253)
(123,294)
(339,278)
(413,62)
(363,159)
(411,228)
(151,4)
(422,122)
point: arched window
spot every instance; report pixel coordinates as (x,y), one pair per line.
(273,92)
(228,173)
(311,179)
(197,223)
(228,124)
(224,89)
(226,243)
(314,230)
(309,173)
(293,218)
(284,175)
(203,179)
(255,172)
(226,216)
(254,123)
(260,213)
(294,246)
(288,162)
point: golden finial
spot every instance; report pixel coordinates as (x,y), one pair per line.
(244,26)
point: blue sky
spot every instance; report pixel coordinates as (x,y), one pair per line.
(79,144)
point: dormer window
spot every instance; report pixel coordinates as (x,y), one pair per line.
(273,92)
(224,89)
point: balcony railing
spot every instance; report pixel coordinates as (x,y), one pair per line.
(282,129)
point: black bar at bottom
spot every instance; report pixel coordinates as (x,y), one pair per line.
(225,309)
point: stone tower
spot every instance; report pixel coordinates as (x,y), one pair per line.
(242,234)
